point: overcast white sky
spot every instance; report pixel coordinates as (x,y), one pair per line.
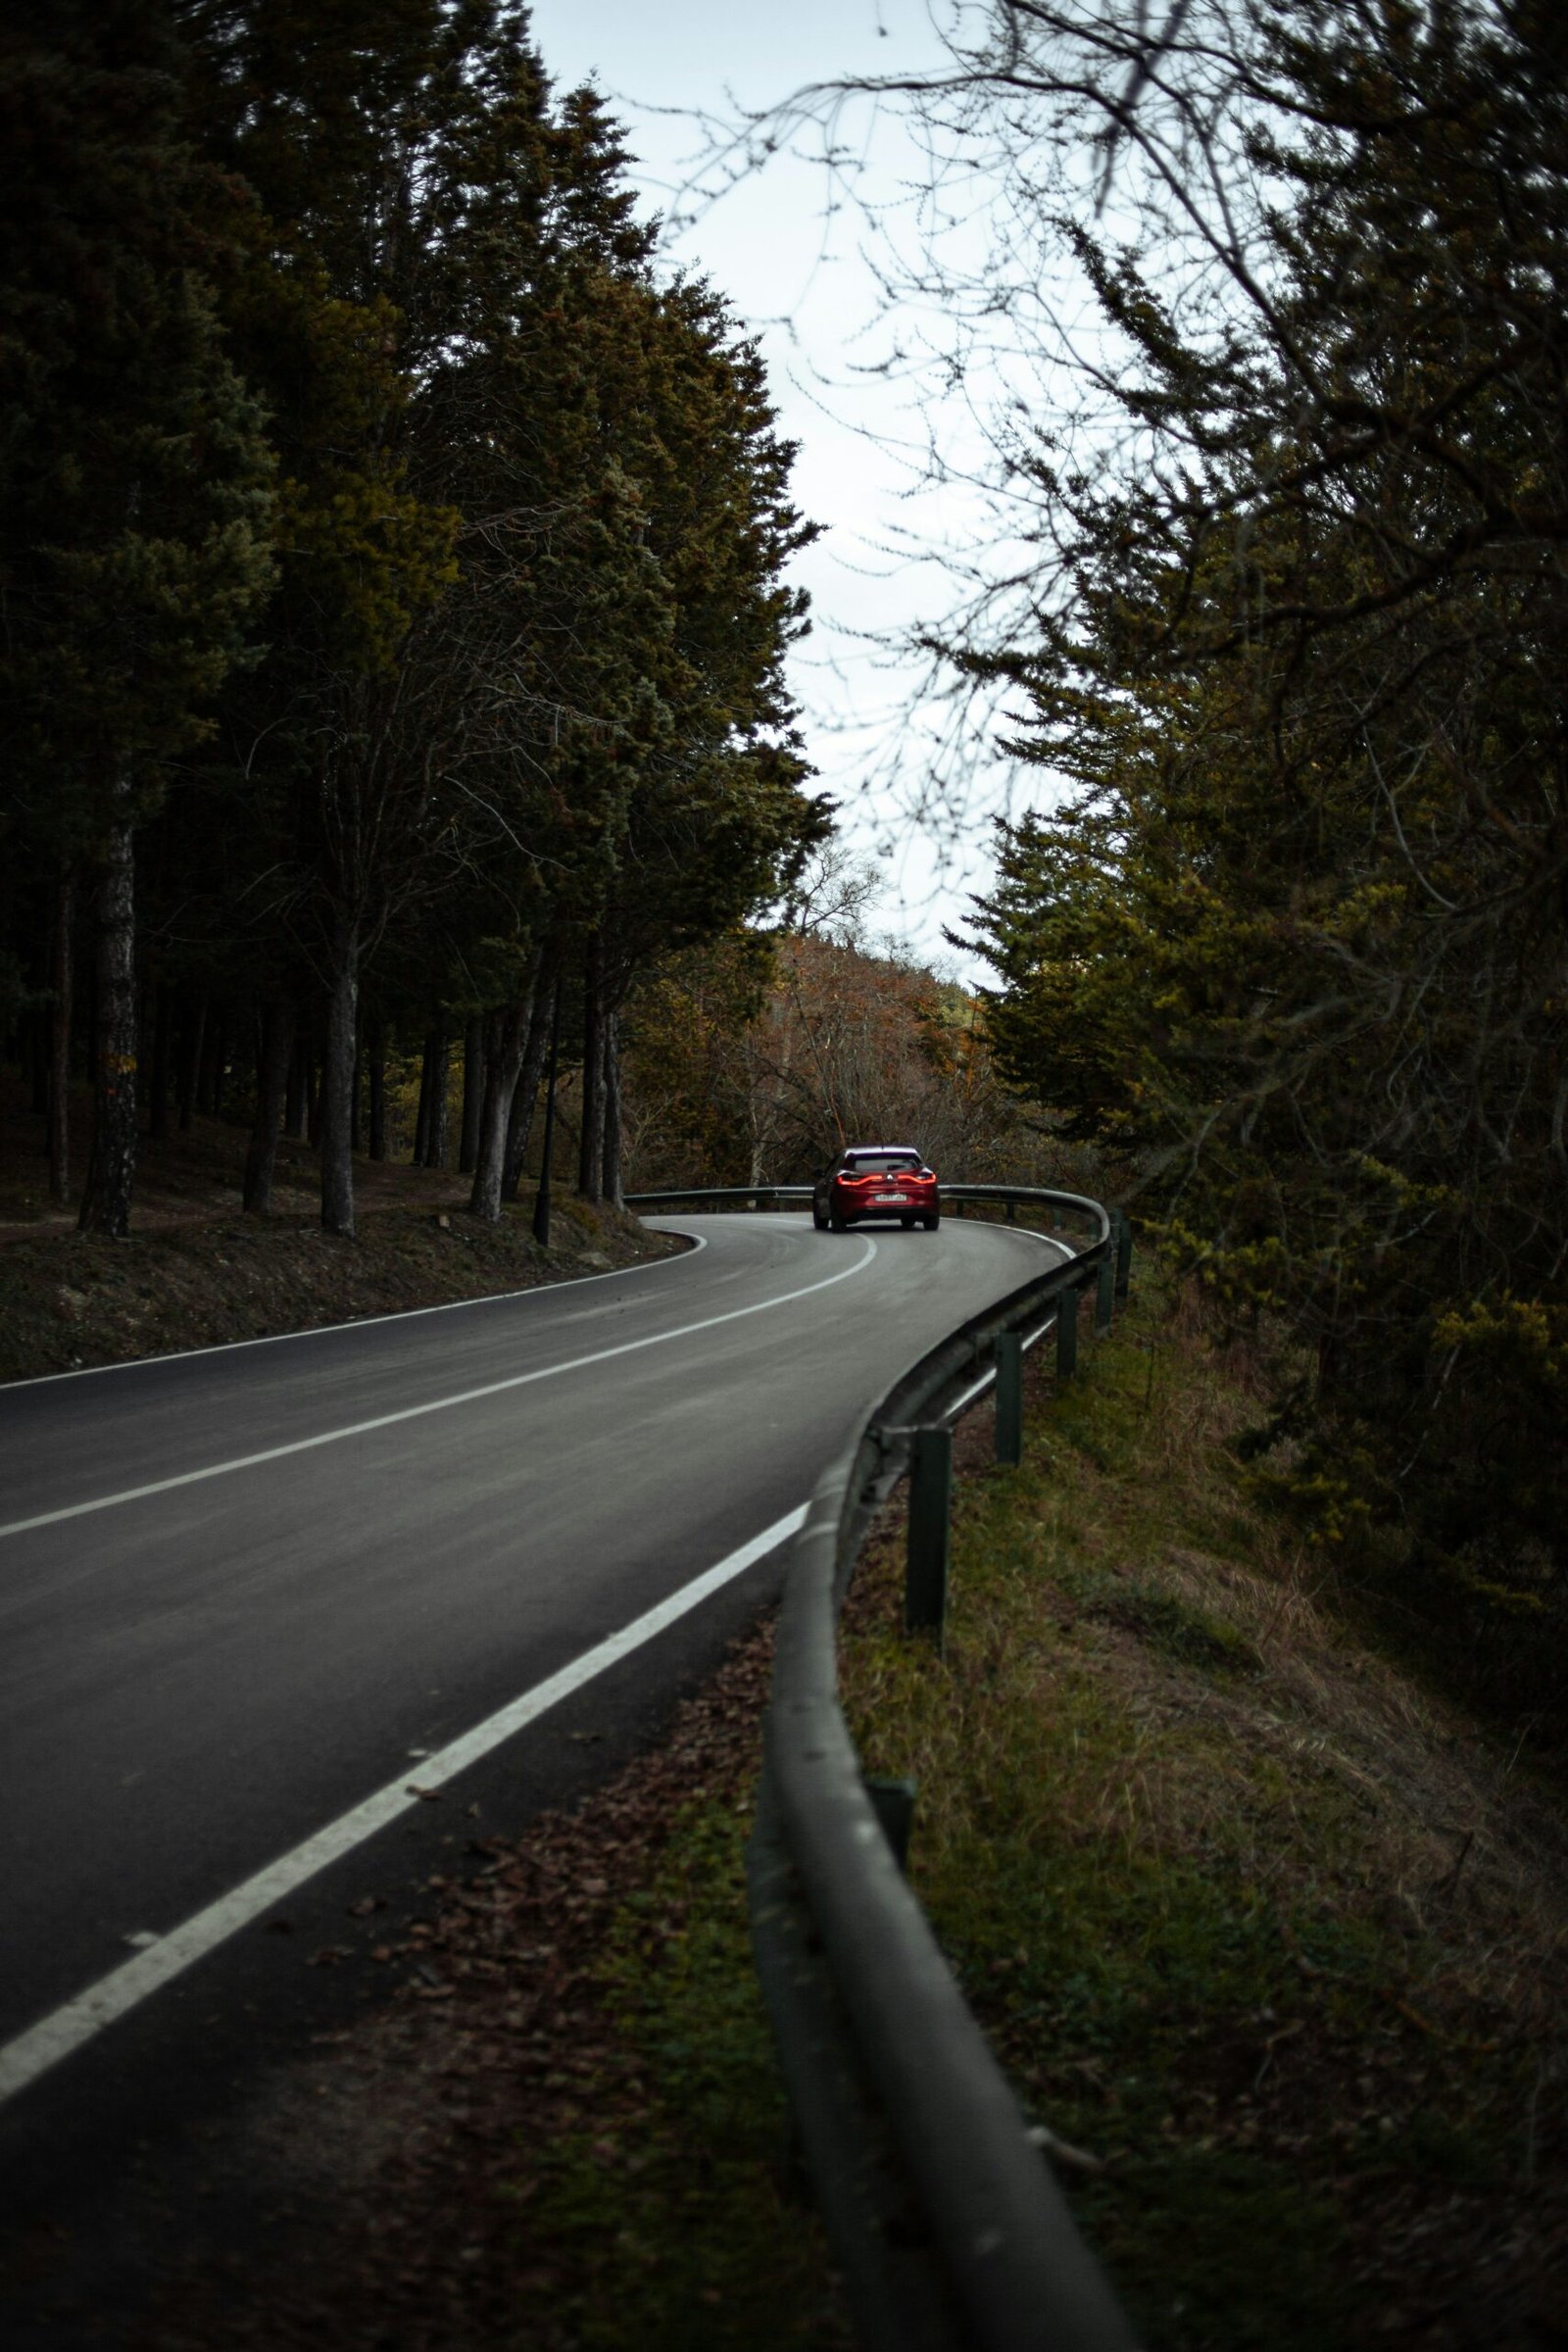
(802,280)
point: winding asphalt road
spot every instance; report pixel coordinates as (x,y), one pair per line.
(260,1604)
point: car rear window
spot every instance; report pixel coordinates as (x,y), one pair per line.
(881,1163)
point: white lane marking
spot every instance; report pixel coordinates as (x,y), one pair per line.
(986,1379)
(318,1331)
(42,2045)
(436,1405)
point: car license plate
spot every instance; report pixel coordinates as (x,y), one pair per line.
(890,1200)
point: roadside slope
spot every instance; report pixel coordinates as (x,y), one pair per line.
(196,1272)
(1271,1939)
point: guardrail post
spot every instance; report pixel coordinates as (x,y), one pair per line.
(1124,1253)
(1013,1212)
(925,1574)
(1067,1332)
(1105,1295)
(1009,1397)
(892,1802)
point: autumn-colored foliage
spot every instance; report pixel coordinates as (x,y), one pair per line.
(757,1058)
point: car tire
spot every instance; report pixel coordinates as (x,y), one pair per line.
(838,1223)
(818,1218)
(932,1222)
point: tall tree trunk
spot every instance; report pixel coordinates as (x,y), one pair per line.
(495,1036)
(475,1079)
(313,1089)
(431,1130)
(111,1169)
(36,1035)
(163,1060)
(204,1071)
(541,1205)
(591,1137)
(60,975)
(611,1064)
(217,1070)
(436,1139)
(296,1107)
(376,1056)
(356,1100)
(525,1094)
(421,1116)
(190,1061)
(508,1038)
(337,1085)
(279,1022)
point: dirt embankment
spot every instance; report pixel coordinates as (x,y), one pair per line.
(196,1271)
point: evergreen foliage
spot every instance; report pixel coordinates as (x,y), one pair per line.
(1297,934)
(392,556)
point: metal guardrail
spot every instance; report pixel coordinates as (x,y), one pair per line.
(775,1196)
(733,1196)
(947,2223)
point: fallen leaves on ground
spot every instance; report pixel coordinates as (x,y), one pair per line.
(438,2114)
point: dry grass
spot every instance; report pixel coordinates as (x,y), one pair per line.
(1251,1914)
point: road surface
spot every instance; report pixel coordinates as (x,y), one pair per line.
(253,1601)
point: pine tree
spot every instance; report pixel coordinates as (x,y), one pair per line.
(136,487)
(1301,936)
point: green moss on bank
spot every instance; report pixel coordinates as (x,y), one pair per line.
(680,2209)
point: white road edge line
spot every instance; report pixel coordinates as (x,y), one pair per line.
(987,1378)
(65,2028)
(435,1404)
(403,1314)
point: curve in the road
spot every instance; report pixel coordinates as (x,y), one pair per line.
(322,1331)
(432,1405)
(194,1687)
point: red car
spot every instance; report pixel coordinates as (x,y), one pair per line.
(876,1180)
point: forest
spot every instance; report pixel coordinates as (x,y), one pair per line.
(393,585)
(1295,938)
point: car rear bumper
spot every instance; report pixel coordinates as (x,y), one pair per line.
(878,1211)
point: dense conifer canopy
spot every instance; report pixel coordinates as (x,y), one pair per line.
(1296,934)
(394,563)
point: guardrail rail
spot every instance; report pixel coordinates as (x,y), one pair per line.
(947,2224)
